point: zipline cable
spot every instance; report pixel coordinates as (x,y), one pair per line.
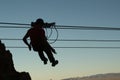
(87,40)
(71,47)
(59,26)
(21,25)
(7,23)
(67,27)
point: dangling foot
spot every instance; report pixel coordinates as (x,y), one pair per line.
(54,63)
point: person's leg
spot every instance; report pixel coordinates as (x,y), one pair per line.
(51,57)
(51,48)
(42,57)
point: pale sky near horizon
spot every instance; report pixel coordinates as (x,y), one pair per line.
(72,62)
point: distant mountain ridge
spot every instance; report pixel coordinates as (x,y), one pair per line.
(108,76)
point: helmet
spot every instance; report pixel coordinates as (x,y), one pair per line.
(39,21)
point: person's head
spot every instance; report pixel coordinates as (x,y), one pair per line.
(39,22)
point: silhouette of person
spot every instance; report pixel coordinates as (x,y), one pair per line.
(39,42)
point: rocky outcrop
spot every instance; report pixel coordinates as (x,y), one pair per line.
(7,69)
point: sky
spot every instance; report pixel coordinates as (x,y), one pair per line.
(73,62)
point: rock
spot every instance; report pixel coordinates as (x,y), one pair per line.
(7,69)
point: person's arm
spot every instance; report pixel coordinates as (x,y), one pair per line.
(25,40)
(49,24)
